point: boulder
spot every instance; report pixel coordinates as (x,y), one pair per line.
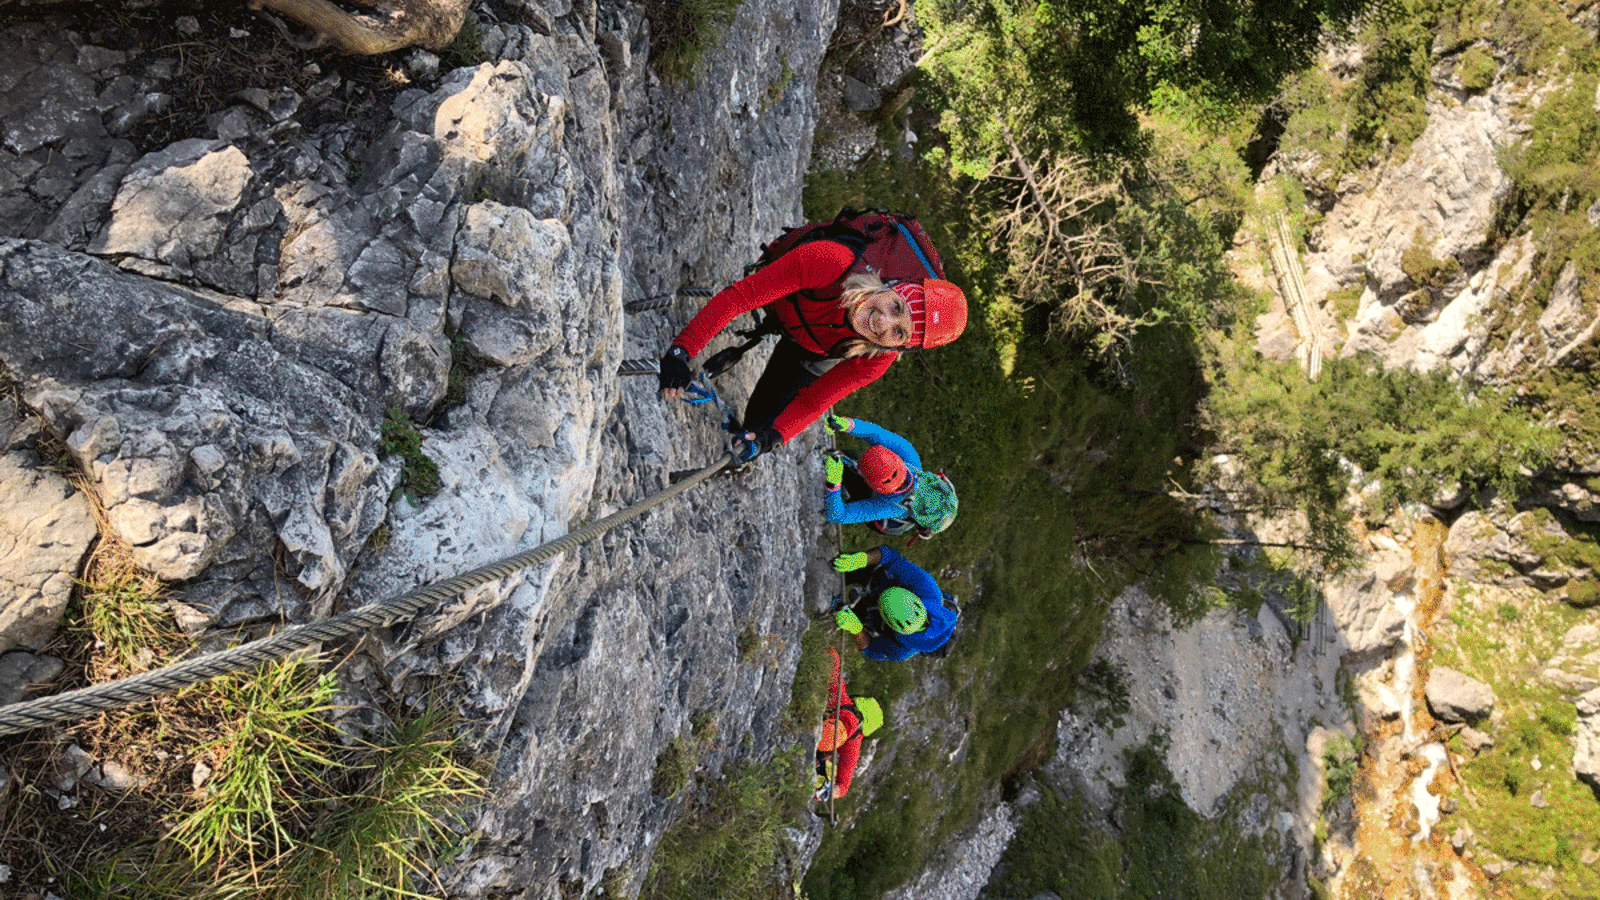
(1456,697)
(1363,607)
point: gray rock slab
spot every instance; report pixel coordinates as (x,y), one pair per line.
(1457,697)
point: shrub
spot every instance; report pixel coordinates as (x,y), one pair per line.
(1339,761)
(1476,69)
(682,31)
(1423,268)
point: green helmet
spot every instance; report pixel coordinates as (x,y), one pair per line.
(902,610)
(871,714)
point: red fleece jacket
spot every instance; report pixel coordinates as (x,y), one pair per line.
(849,753)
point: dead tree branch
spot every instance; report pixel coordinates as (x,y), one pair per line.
(388,25)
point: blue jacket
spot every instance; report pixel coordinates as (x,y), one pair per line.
(878,506)
(894,647)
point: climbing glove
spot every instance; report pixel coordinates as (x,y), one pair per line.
(833,470)
(675,372)
(755,442)
(848,621)
(837,424)
(849,562)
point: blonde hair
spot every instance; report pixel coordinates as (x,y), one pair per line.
(859,289)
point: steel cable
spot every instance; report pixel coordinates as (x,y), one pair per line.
(83,702)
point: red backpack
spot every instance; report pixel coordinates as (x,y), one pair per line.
(891,244)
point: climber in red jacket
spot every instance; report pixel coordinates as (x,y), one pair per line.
(840,327)
(845,723)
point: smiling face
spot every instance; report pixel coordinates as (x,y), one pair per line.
(884,319)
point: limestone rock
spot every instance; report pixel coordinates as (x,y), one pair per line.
(194,212)
(1456,697)
(1576,664)
(1489,547)
(1363,607)
(46,527)
(1475,740)
(20,671)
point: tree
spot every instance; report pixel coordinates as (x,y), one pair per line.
(381,26)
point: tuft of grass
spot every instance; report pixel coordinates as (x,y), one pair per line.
(419,475)
(275,742)
(463,365)
(408,807)
(732,842)
(1476,69)
(124,614)
(677,762)
(683,31)
(466,49)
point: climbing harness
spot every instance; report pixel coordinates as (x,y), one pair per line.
(83,702)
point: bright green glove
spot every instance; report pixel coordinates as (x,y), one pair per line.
(848,620)
(849,562)
(837,424)
(833,469)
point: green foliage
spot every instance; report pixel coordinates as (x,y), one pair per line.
(1058,847)
(1583,594)
(463,365)
(466,48)
(886,844)
(294,812)
(1533,720)
(1340,758)
(1346,301)
(411,791)
(1423,268)
(1411,432)
(732,840)
(419,475)
(674,765)
(1388,105)
(1476,69)
(124,611)
(683,31)
(1077,74)
(1103,687)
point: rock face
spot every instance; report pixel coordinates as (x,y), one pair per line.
(46,527)
(1586,755)
(1232,695)
(219,327)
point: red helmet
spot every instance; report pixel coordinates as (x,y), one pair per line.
(942,315)
(883,470)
